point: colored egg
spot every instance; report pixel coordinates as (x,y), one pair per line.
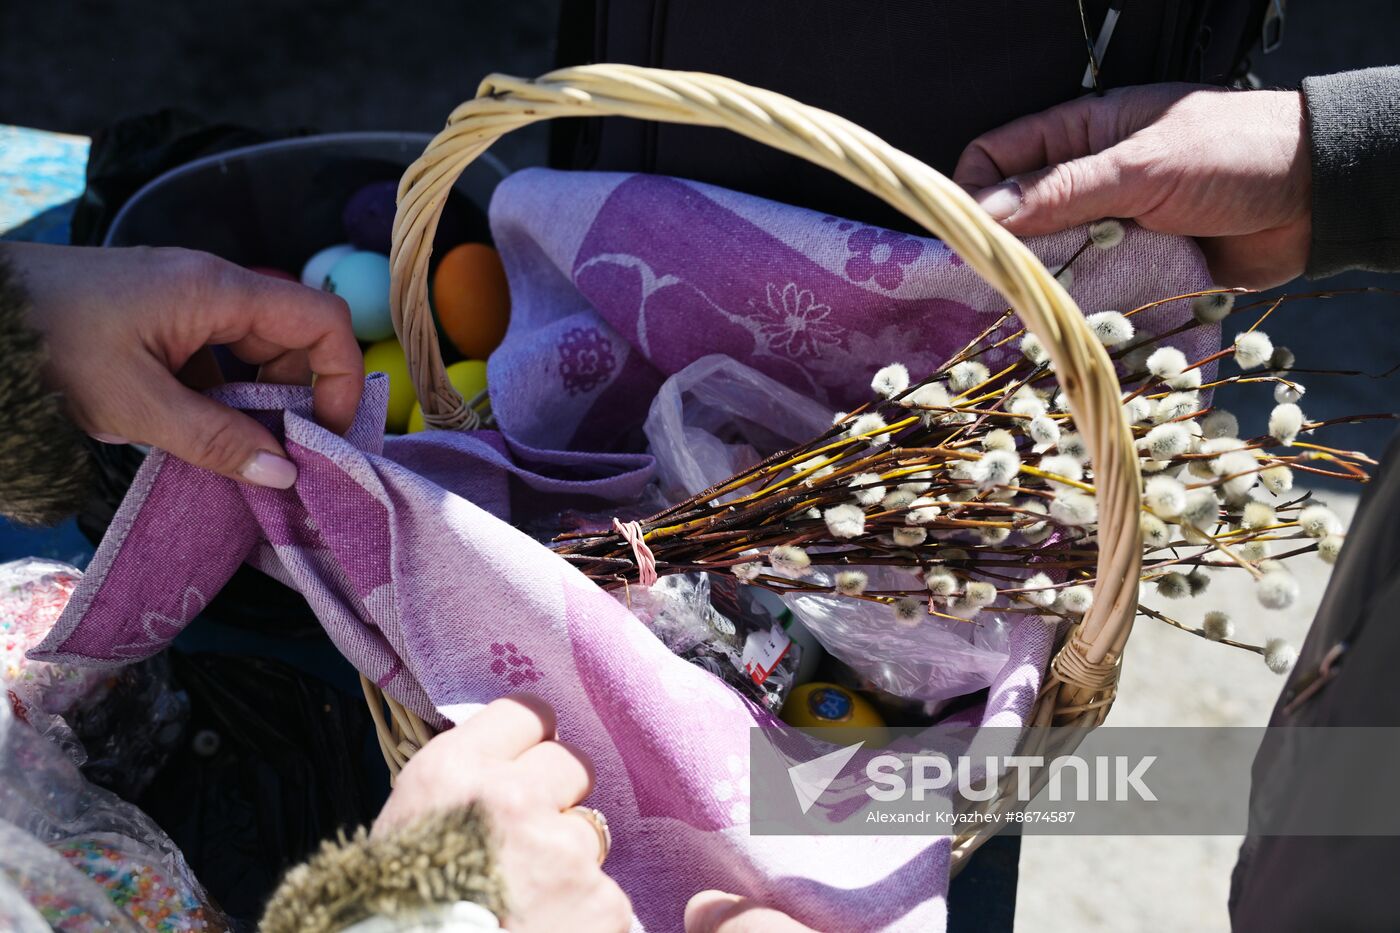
(362,279)
(821,704)
(313,274)
(387,357)
(272,273)
(469,378)
(472,299)
(369,216)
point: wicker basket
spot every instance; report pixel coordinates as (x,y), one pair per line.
(1080,685)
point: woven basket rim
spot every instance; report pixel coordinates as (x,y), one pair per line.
(1080,683)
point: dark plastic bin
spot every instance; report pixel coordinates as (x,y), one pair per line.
(277,203)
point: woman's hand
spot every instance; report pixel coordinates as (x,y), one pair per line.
(1228,167)
(120,324)
(506,759)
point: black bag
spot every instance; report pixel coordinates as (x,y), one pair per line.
(273,761)
(927,76)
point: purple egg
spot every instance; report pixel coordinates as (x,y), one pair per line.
(369,216)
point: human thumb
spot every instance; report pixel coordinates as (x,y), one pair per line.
(1059,197)
(719,912)
(207,434)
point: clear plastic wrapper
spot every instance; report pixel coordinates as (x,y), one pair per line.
(717,417)
(750,652)
(33,593)
(120,725)
(73,856)
(934,660)
(81,857)
(677,609)
(17,915)
(40,890)
(129,726)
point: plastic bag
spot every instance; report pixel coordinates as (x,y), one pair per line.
(677,610)
(748,651)
(120,725)
(73,852)
(40,891)
(130,726)
(935,660)
(32,595)
(717,417)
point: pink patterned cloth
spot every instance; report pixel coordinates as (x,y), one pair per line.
(405,551)
(618,281)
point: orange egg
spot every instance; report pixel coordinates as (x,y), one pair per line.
(472,299)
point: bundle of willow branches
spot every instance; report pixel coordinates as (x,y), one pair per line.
(974,488)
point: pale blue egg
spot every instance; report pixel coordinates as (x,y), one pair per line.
(362,280)
(313,274)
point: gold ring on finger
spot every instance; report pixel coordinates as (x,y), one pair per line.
(599,823)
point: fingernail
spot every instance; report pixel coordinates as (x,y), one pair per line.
(1001,201)
(265,469)
(108,438)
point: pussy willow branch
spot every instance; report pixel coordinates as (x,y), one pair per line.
(774,502)
(1199,632)
(715,534)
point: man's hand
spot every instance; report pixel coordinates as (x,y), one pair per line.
(506,759)
(1228,167)
(120,324)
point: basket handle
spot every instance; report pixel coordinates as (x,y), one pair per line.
(1086,667)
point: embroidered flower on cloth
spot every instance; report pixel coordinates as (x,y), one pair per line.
(585,360)
(794,323)
(847,369)
(880,255)
(515,668)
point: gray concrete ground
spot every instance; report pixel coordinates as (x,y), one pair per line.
(378,64)
(1129,884)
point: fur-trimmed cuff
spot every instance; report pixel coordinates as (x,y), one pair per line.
(445,858)
(46,469)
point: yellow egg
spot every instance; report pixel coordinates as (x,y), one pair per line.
(819,704)
(469,378)
(387,357)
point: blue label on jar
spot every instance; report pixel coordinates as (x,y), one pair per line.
(830,704)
